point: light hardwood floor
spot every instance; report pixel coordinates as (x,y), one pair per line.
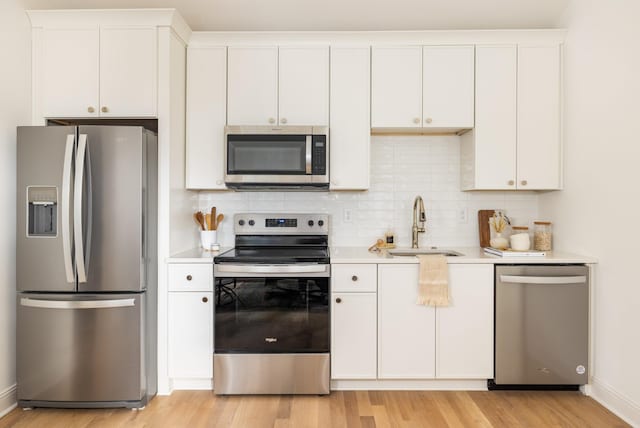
(341,409)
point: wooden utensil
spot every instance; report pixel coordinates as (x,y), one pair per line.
(484,230)
(219,220)
(200,219)
(207,217)
(214,223)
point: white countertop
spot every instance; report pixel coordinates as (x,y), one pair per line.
(469,255)
(361,255)
(196,255)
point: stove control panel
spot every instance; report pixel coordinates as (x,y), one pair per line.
(281,224)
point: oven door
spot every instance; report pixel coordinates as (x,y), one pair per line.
(272,313)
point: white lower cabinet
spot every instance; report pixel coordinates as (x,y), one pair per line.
(353,336)
(406,331)
(464,329)
(191,335)
(422,342)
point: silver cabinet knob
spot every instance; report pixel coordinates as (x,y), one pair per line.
(416,120)
(354,278)
(338,300)
(91,109)
(104,109)
(428,120)
(272,120)
(283,120)
(511,182)
(523,182)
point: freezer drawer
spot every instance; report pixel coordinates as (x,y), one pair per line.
(542,325)
(86,350)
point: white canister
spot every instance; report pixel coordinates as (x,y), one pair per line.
(208,238)
(520,240)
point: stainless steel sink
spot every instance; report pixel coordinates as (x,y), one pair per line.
(407,252)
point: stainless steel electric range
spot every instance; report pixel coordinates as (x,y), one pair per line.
(272,306)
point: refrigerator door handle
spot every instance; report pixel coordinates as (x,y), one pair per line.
(77,304)
(82,170)
(66,203)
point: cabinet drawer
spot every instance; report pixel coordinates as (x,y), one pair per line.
(354,277)
(190,277)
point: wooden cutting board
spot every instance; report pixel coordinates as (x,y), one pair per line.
(483,226)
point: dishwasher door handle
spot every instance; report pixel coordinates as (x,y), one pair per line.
(550,280)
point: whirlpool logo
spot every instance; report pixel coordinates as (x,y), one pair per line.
(271,339)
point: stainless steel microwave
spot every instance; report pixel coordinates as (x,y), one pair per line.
(277,158)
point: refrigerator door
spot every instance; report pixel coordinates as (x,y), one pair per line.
(110,208)
(44,247)
(86,350)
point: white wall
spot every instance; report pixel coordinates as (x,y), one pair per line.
(401,168)
(15,105)
(597,213)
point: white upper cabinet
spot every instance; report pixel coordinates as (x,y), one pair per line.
(447,86)
(516,142)
(286,86)
(303,82)
(396,87)
(252,86)
(539,148)
(350,132)
(128,72)
(206,117)
(68,69)
(422,87)
(101,72)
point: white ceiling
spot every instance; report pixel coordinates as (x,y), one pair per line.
(253,15)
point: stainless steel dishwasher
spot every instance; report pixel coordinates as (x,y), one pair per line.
(541,326)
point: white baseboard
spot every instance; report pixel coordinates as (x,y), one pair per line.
(8,400)
(193,384)
(409,385)
(622,406)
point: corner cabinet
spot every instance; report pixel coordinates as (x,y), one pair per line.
(516,142)
(423,342)
(271,85)
(206,117)
(350,133)
(105,71)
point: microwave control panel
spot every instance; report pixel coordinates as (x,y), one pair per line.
(319,157)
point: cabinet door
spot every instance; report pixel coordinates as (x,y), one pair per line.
(539,136)
(396,87)
(303,79)
(128,72)
(252,86)
(69,73)
(447,86)
(465,328)
(495,127)
(350,118)
(353,336)
(190,335)
(406,330)
(206,117)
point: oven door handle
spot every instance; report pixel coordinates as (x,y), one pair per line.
(298,268)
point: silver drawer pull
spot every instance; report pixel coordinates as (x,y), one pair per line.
(517,279)
(272,268)
(77,304)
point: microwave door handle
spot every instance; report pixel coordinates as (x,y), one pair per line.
(308,155)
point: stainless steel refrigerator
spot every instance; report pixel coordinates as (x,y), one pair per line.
(86,266)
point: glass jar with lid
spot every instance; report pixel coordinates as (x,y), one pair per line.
(520,238)
(542,235)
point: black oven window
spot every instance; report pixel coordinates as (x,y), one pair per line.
(271,315)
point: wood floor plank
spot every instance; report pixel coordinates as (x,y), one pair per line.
(342,409)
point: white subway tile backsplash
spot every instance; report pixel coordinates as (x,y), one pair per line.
(401,168)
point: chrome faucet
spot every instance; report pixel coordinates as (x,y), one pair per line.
(419,217)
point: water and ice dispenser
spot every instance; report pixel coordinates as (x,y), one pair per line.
(42,211)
